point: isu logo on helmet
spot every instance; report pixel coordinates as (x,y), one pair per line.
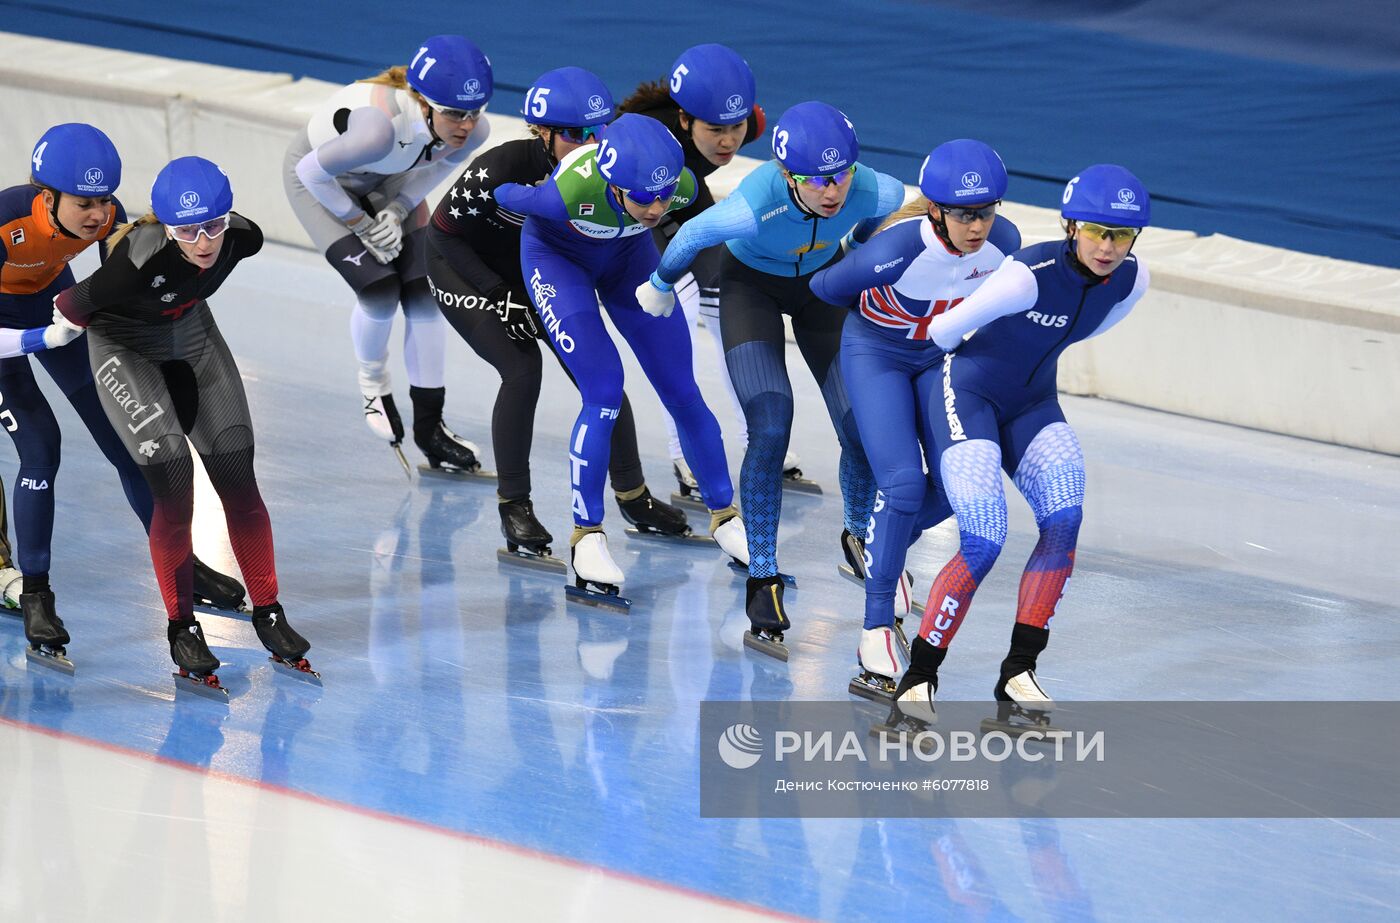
(661,176)
(93,176)
(734,103)
(189,199)
(830,155)
(971,179)
(472,87)
(595,102)
(1126,196)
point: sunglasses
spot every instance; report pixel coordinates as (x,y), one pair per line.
(643,197)
(189,233)
(966,215)
(821,182)
(456,115)
(1102,232)
(578,135)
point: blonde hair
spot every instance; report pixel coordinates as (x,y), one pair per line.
(917,207)
(116,236)
(396,77)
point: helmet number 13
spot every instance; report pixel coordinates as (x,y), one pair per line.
(780,141)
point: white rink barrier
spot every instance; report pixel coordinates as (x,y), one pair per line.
(1231,331)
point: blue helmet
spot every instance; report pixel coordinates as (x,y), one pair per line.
(77,159)
(568,97)
(639,153)
(452,72)
(814,139)
(1107,194)
(713,83)
(190,190)
(962,172)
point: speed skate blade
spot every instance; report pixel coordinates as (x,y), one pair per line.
(208,608)
(788,580)
(690,502)
(53,660)
(544,563)
(187,686)
(881,692)
(403,460)
(800,485)
(849,573)
(1016,722)
(457,474)
(775,649)
(597,599)
(901,638)
(308,675)
(689,538)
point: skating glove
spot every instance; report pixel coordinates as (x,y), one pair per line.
(656,297)
(363,230)
(519,324)
(387,231)
(62,331)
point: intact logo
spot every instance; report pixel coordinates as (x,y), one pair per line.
(595,102)
(734,103)
(585,209)
(830,156)
(141,414)
(16,237)
(740,746)
(1047,320)
(971,179)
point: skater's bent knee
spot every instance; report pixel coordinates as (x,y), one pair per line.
(903,489)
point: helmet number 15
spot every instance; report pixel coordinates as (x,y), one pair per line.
(427,63)
(535,102)
(677,76)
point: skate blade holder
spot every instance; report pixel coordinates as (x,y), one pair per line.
(546,563)
(1015,721)
(457,474)
(208,608)
(685,538)
(915,607)
(906,731)
(689,501)
(766,644)
(788,580)
(52,660)
(872,690)
(301,670)
(794,482)
(597,598)
(403,460)
(204,687)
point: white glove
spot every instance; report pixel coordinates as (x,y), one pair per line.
(365,231)
(654,301)
(387,232)
(56,335)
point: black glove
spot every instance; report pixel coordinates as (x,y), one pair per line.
(520,325)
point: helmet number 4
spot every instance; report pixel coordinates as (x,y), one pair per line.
(676,78)
(39,157)
(427,63)
(535,102)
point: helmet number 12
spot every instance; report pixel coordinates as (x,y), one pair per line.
(427,63)
(676,78)
(535,103)
(38,157)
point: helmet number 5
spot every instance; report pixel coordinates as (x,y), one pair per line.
(427,63)
(676,78)
(535,103)
(780,141)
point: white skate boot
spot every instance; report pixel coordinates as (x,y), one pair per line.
(727,529)
(597,577)
(882,663)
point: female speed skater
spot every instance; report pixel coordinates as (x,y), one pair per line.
(708,104)
(784,222)
(935,253)
(356,179)
(587,239)
(474,273)
(68,205)
(165,373)
(1000,410)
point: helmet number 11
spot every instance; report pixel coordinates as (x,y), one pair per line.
(427,63)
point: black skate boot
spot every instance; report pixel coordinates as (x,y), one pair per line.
(196,662)
(527,540)
(650,518)
(687,492)
(767,618)
(912,710)
(288,648)
(1022,705)
(383,418)
(48,638)
(853,548)
(216,593)
(448,454)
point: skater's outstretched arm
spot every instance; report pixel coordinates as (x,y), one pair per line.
(889,196)
(1010,289)
(541,201)
(728,220)
(882,262)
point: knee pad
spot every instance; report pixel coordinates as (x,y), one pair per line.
(904,490)
(380,298)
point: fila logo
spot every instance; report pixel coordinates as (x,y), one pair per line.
(16,237)
(585,208)
(609,413)
(32,484)
(356,259)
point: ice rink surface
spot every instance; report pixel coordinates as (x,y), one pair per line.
(481,748)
